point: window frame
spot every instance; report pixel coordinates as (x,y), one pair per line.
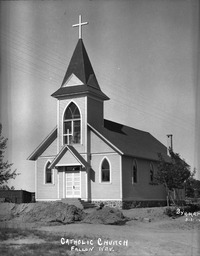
(45,174)
(151,173)
(100,172)
(68,138)
(132,172)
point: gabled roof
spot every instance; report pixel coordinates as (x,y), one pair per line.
(44,145)
(81,68)
(73,151)
(123,139)
(131,142)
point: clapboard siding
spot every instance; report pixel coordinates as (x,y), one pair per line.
(106,190)
(45,191)
(142,190)
(97,145)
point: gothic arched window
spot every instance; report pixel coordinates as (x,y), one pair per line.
(72,125)
(105,171)
(151,173)
(134,173)
(48,174)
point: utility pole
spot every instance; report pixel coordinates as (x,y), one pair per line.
(171,141)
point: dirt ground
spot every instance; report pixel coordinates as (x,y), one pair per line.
(148,232)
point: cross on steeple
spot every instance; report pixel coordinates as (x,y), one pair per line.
(79,25)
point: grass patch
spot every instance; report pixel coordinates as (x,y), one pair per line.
(13,233)
(35,249)
(50,244)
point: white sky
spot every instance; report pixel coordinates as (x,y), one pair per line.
(144,54)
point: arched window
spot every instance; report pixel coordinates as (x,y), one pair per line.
(48,174)
(134,173)
(71,125)
(105,171)
(151,173)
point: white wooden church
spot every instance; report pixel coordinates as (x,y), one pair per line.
(90,158)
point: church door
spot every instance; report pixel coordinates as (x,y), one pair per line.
(73,184)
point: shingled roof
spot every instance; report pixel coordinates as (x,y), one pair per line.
(131,142)
(81,67)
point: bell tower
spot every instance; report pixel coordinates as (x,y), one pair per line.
(80,99)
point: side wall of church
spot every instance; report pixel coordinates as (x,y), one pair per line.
(144,189)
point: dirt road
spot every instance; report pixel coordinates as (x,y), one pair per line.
(162,238)
(150,232)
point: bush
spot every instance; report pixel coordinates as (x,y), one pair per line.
(191,208)
(180,211)
(171,211)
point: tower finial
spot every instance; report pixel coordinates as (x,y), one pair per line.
(79,25)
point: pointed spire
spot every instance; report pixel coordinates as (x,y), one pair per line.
(80,77)
(81,67)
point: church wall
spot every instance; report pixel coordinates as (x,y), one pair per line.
(105,191)
(97,145)
(95,112)
(45,191)
(81,103)
(51,150)
(142,190)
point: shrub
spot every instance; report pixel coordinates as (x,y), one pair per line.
(171,211)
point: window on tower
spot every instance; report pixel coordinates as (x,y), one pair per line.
(71,125)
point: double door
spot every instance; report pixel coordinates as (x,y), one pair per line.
(73,184)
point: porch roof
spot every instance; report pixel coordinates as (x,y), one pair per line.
(73,151)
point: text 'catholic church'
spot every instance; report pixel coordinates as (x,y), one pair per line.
(89,158)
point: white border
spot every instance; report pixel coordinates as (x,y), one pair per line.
(64,189)
(58,126)
(36,188)
(58,181)
(120,178)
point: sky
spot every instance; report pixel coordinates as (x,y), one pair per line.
(145,56)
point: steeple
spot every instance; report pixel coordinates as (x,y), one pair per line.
(80,78)
(81,67)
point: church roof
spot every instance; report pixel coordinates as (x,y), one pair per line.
(131,142)
(44,145)
(81,68)
(123,139)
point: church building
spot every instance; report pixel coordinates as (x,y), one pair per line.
(92,159)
